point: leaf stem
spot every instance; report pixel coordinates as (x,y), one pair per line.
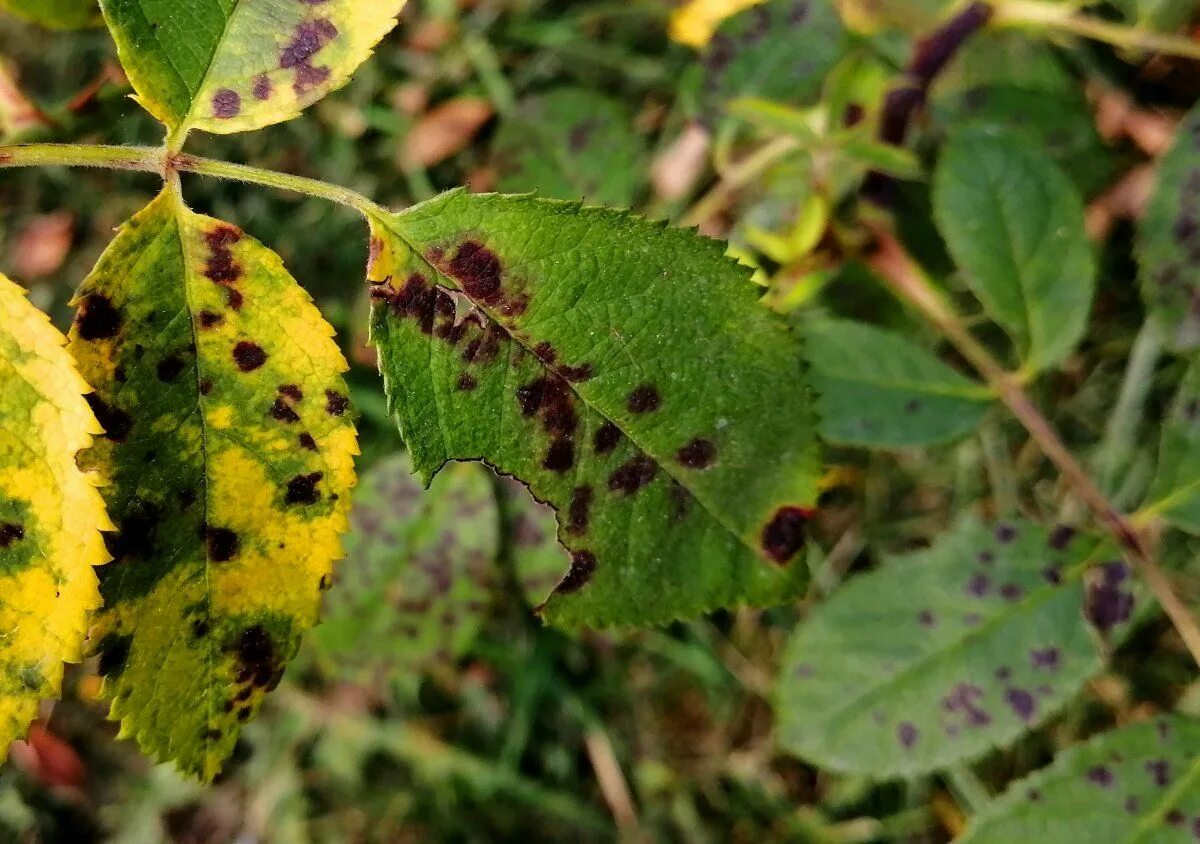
(909,283)
(1038,14)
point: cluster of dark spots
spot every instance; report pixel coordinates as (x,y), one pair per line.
(1100,775)
(221,544)
(485,347)
(784,536)
(636,472)
(1159,771)
(1005,532)
(606,438)
(135,534)
(583,568)
(1022,703)
(1048,658)
(336,404)
(263,88)
(200,628)
(978,586)
(466,383)
(10,533)
(257,660)
(1106,603)
(169,368)
(97,318)
(550,399)
(477,271)
(580,510)
(644,399)
(226,103)
(210,319)
(221,267)
(302,489)
(114,654)
(307,442)
(284,408)
(964,698)
(700,453)
(1061,537)
(297,54)
(249,356)
(906,733)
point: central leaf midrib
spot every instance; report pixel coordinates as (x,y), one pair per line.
(386,222)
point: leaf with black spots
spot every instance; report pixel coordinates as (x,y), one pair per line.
(419,569)
(229,66)
(229,478)
(876,388)
(51,513)
(948,652)
(1138,783)
(627,373)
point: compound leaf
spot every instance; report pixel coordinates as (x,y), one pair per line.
(51,513)
(229,452)
(419,568)
(1138,783)
(1168,243)
(622,369)
(55,14)
(948,652)
(1014,224)
(1175,492)
(236,65)
(876,388)
(571,143)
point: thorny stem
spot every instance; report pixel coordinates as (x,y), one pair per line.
(1037,14)
(908,282)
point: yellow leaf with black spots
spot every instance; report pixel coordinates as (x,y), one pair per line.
(229,452)
(51,513)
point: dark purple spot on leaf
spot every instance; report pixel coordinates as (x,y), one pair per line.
(477,270)
(226,103)
(697,454)
(1159,771)
(926,618)
(1061,537)
(560,456)
(581,502)
(336,404)
(631,476)
(221,543)
(169,368)
(907,734)
(1100,775)
(1045,658)
(583,567)
(644,399)
(1021,702)
(1005,532)
(978,585)
(97,319)
(784,536)
(262,87)
(248,356)
(607,437)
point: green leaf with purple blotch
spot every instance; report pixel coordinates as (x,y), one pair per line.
(1137,784)
(947,652)
(627,373)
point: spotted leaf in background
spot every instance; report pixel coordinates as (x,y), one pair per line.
(538,561)
(947,652)
(627,373)
(55,14)
(419,569)
(236,65)
(1139,783)
(51,513)
(229,455)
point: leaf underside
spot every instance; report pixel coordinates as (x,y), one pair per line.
(948,652)
(236,65)
(1136,784)
(229,453)
(627,373)
(419,569)
(51,513)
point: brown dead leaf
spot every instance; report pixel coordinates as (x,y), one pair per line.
(445,130)
(17,114)
(676,169)
(42,245)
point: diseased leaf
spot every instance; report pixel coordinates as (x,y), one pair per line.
(419,569)
(572,143)
(1136,784)
(229,449)
(235,65)
(1014,224)
(627,373)
(948,652)
(55,14)
(779,50)
(1175,492)
(1168,241)
(876,388)
(51,513)
(538,561)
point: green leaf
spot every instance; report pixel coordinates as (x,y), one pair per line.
(1136,784)
(1168,242)
(1015,226)
(780,50)
(572,143)
(55,14)
(538,561)
(1175,492)
(51,514)
(229,454)
(876,388)
(419,569)
(236,65)
(947,652)
(627,373)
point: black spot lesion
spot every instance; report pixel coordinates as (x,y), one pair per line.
(336,404)
(114,651)
(97,319)
(645,398)
(699,453)
(259,663)
(169,368)
(284,408)
(583,569)
(634,474)
(10,534)
(302,489)
(221,544)
(784,536)
(249,356)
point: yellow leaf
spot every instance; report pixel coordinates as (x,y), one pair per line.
(694,22)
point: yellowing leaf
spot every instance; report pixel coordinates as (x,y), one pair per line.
(694,22)
(229,66)
(51,514)
(229,447)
